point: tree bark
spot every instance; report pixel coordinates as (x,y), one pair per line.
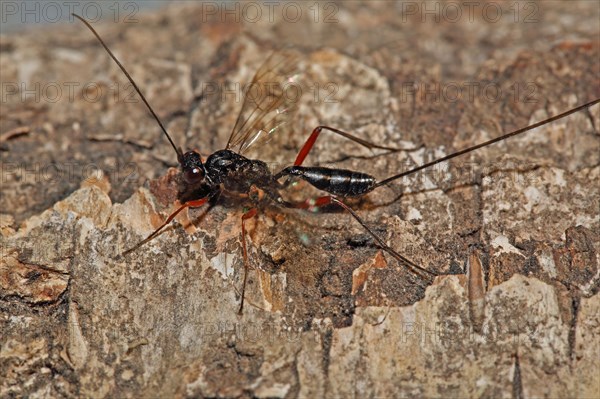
(512,229)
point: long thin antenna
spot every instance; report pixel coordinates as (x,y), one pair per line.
(178,151)
(492,141)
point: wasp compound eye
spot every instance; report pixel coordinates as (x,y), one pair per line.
(191,165)
(193,175)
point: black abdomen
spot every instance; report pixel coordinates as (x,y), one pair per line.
(342,182)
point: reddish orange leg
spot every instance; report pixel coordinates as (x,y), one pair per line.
(189,204)
(315,134)
(313,205)
(249,214)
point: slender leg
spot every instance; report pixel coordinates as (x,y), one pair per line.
(189,204)
(315,133)
(249,214)
(314,204)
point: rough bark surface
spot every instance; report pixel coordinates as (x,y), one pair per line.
(511,229)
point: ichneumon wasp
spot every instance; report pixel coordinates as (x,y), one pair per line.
(228,172)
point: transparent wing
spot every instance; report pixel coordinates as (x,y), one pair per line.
(269,101)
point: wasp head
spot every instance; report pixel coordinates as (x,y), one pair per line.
(192,168)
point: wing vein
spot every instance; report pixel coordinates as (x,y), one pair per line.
(266,107)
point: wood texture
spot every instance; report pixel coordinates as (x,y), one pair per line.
(328,315)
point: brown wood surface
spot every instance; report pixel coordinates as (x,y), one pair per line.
(512,229)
